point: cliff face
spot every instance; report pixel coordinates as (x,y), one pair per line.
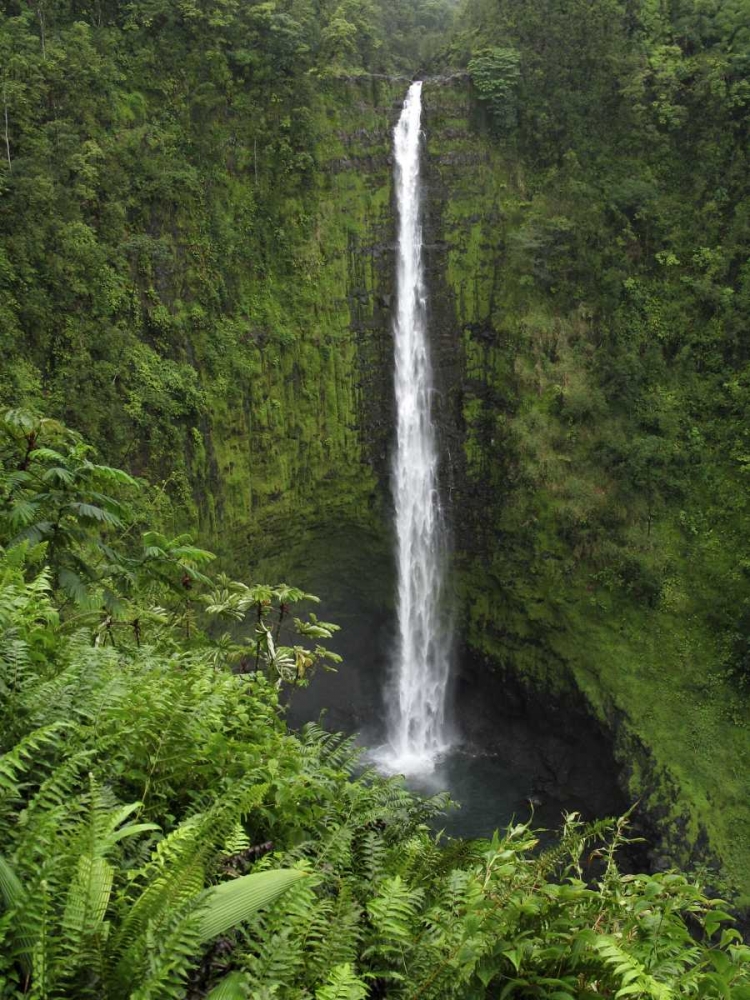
(293,482)
(304,439)
(574,574)
(213,309)
(574,582)
(197,268)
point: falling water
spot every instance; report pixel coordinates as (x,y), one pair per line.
(417,724)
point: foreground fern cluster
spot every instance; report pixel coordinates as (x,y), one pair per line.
(138,772)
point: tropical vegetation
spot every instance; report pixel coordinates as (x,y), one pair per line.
(196,273)
(163,834)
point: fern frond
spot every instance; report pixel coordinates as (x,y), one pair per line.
(13,896)
(629,973)
(342,984)
(29,753)
(393,913)
(176,877)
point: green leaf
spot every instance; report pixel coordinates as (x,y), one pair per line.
(88,896)
(12,892)
(58,474)
(34,533)
(74,586)
(154,552)
(194,574)
(90,512)
(230,903)
(190,553)
(16,478)
(633,989)
(11,888)
(116,607)
(22,513)
(48,453)
(117,475)
(19,419)
(131,830)
(232,987)
(514,957)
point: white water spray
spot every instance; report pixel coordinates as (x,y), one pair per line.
(417,724)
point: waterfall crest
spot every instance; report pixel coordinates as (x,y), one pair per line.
(417,711)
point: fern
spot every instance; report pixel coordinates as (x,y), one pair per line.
(342,984)
(629,973)
(14,899)
(393,913)
(28,755)
(162,961)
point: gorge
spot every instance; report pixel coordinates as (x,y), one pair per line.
(511,761)
(199,250)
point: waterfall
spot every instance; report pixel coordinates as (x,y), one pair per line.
(417,711)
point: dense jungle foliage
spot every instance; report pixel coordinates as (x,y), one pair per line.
(193,223)
(626,237)
(167,155)
(164,835)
